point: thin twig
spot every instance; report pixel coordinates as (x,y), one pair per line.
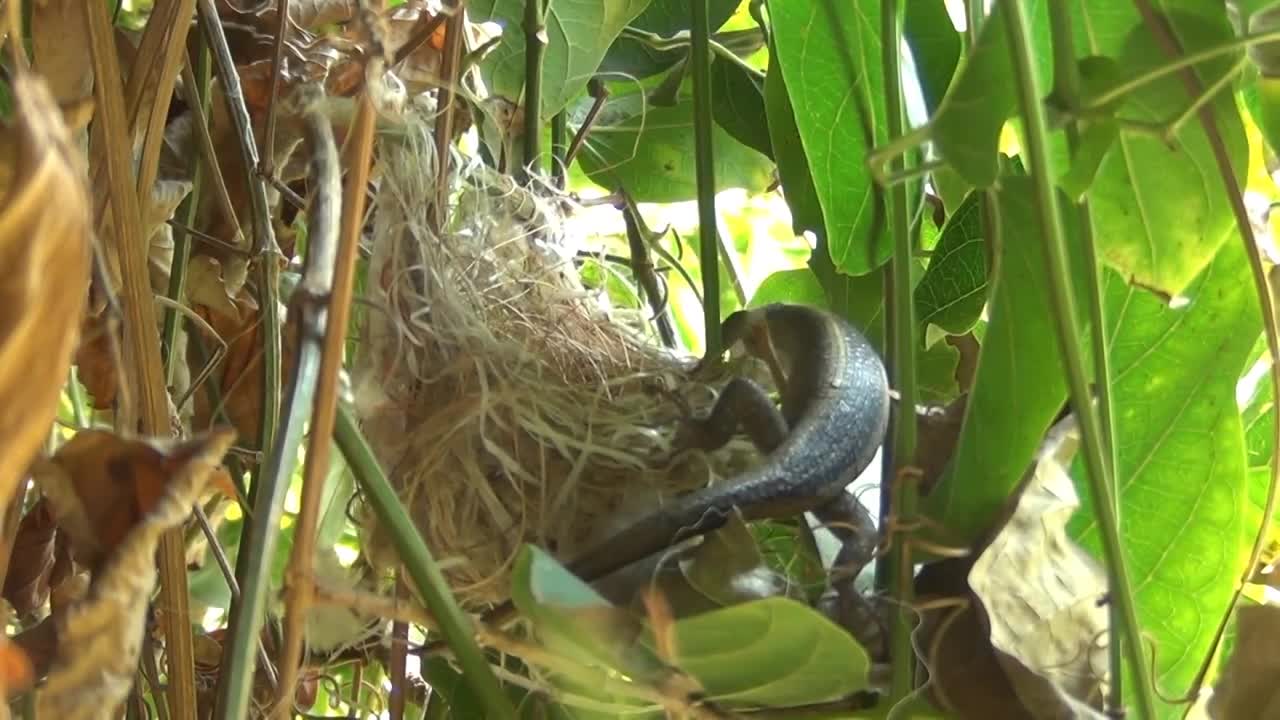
(1065,315)
(267,153)
(324,302)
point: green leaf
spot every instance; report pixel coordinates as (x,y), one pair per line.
(632,58)
(770,652)
(1019,386)
(339,488)
(1159,211)
(954,287)
(966,128)
(790,286)
(788,152)
(649,151)
(935,47)
(578,33)
(737,104)
(574,619)
(829,52)
(1180,457)
(936,373)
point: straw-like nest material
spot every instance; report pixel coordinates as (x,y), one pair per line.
(506,403)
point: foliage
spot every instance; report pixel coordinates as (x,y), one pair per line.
(1085,257)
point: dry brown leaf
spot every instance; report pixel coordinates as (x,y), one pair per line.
(59,37)
(45,235)
(1249,687)
(1041,594)
(101,486)
(965,678)
(95,363)
(100,638)
(26,584)
(240,372)
(939,430)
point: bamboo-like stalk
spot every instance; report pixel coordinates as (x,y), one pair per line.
(899,491)
(1065,315)
(142,337)
(267,154)
(1067,84)
(330,273)
(421,567)
(189,210)
(559,150)
(704,168)
(267,253)
(535,47)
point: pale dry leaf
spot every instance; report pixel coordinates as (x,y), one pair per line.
(1041,594)
(1250,683)
(100,486)
(206,287)
(166,196)
(59,37)
(45,236)
(100,637)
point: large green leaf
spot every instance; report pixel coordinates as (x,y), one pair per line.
(1180,457)
(966,128)
(788,152)
(829,51)
(632,58)
(954,287)
(578,34)
(737,104)
(770,652)
(1159,209)
(649,151)
(935,47)
(1019,386)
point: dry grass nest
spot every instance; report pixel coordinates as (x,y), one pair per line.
(507,403)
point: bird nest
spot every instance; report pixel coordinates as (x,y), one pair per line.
(507,403)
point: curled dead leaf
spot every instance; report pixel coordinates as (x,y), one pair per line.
(1250,683)
(26,584)
(100,637)
(1025,634)
(45,235)
(101,486)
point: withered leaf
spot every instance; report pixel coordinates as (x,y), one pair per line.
(101,486)
(1250,683)
(1041,594)
(100,637)
(26,585)
(45,235)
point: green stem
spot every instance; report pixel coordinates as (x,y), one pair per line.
(421,566)
(559,149)
(191,208)
(1065,322)
(895,573)
(535,46)
(1067,90)
(700,66)
(1175,65)
(77,399)
(265,249)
